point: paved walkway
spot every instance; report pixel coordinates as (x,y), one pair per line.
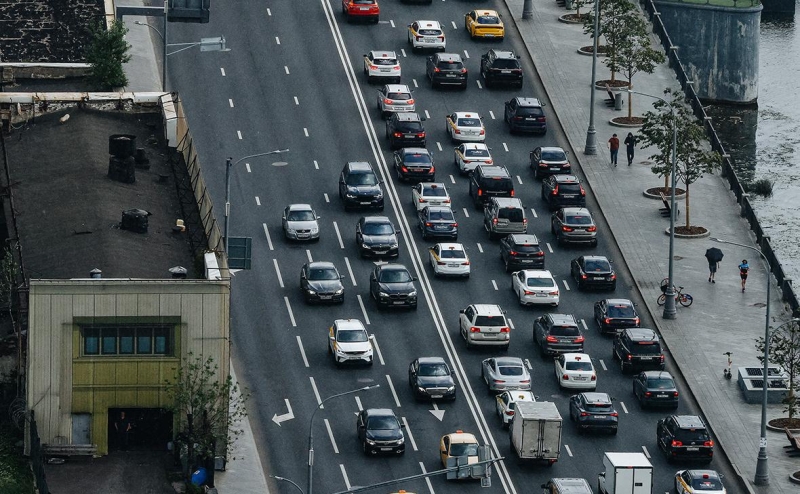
(722,318)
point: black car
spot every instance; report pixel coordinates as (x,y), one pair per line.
(391,285)
(489,181)
(614,314)
(525,115)
(405,129)
(446,69)
(359,187)
(557,333)
(563,190)
(414,164)
(593,272)
(321,282)
(638,348)
(501,67)
(547,161)
(593,411)
(379,431)
(655,388)
(377,236)
(521,251)
(437,222)
(431,378)
(684,437)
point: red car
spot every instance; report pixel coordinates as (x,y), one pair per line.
(361,9)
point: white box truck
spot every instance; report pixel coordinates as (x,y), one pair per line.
(626,473)
(536,431)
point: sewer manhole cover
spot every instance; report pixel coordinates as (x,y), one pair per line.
(759,304)
(280,163)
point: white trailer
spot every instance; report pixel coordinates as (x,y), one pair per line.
(536,431)
(626,473)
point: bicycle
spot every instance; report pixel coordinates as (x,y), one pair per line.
(683,298)
(727,372)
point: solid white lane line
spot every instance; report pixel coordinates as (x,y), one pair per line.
(511,324)
(316,167)
(363,309)
(505,147)
(603,365)
(350,270)
(277,40)
(439,145)
(378,349)
(344,475)
(391,388)
(491,114)
(452,179)
(466,213)
(569,451)
(222,70)
(258,201)
(533,212)
(296,101)
(566,286)
(519,179)
(454,24)
(338,235)
(646,453)
(494,284)
(583,323)
(308,254)
(286,69)
(624,408)
(358,403)
(326,197)
(269,240)
(291,314)
(278,272)
(305,131)
(480,248)
(549,247)
(409,434)
(230,102)
(302,351)
(239,133)
(427,115)
(316,392)
(427,479)
(330,435)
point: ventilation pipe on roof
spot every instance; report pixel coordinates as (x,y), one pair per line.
(95,273)
(178,272)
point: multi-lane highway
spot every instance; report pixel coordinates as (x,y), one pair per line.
(293,80)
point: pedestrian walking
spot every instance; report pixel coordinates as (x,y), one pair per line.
(630,141)
(613,146)
(743,269)
(714,256)
(123,428)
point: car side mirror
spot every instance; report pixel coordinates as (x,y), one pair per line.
(536,397)
(380,182)
(402,426)
(544,104)
(413,278)
(341,276)
(518,57)
(603,474)
(461,311)
(331,338)
(397,232)
(423,118)
(371,337)
(319,217)
(452,373)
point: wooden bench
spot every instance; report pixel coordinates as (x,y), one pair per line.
(69,449)
(793,449)
(666,209)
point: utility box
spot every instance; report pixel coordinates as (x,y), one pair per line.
(189,11)
(618,101)
(536,431)
(626,473)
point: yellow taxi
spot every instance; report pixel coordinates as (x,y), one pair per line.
(459,443)
(484,24)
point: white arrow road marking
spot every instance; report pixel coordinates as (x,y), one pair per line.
(452,179)
(394,394)
(380,263)
(410,435)
(439,414)
(302,350)
(344,475)
(519,179)
(427,115)
(316,392)
(427,479)
(286,416)
(330,434)
(403,52)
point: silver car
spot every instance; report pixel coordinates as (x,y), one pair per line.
(505,373)
(395,98)
(300,222)
(573,225)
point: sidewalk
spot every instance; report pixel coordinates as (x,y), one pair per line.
(722,318)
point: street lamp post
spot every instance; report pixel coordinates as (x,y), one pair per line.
(284,479)
(762,474)
(591,133)
(229,163)
(311,431)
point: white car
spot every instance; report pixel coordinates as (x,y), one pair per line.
(395,98)
(426,34)
(449,259)
(379,64)
(465,126)
(535,287)
(507,403)
(429,194)
(575,371)
(471,154)
(300,222)
(699,482)
(348,341)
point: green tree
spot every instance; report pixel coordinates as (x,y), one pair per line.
(693,159)
(107,53)
(577,4)
(634,54)
(784,351)
(616,18)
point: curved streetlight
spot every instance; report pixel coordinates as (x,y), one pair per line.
(311,430)
(163,43)
(762,474)
(229,163)
(284,479)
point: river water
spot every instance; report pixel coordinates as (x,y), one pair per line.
(765,142)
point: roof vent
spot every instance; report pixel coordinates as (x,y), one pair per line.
(135,220)
(178,272)
(122,164)
(95,273)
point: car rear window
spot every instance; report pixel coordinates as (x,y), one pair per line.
(502,184)
(540,282)
(429,32)
(510,370)
(529,112)
(554,156)
(511,214)
(477,153)
(660,383)
(569,188)
(364,2)
(490,321)
(488,19)
(441,216)
(409,126)
(578,219)
(399,96)
(469,122)
(505,63)
(417,158)
(450,65)
(527,248)
(596,265)
(687,435)
(578,366)
(431,192)
(464,449)
(598,407)
(700,484)
(385,61)
(621,311)
(452,254)
(564,331)
(647,347)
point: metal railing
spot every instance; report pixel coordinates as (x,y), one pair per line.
(37,456)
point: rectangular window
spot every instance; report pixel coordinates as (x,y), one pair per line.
(126,341)
(91,341)
(130,339)
(161,340)
(108,338)
(144,342)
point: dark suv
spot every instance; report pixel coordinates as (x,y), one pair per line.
(359,186)
(684,437)
(414,164)
(405,129)
(549,160)
(557,333)
(501,66)
(446,68)
(489,181)
(638,348)
(521,252)
(525,115)
(563,190)
(379,431)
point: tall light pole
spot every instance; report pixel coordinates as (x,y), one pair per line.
(670,312)
(164,43)
(762,474)
(284,479)
(311,431)
(229,163)
(591,133)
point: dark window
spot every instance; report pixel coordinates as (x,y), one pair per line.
(597,265)
(429,32)
(554,156)
(441,216)
(576,219)
(598,407)
(540,282)
(385,61)
(511,214)
(452,254)
(498,184)
(433,370)
(526,248)
(511,370)
(91,341)
(144,342)
(126,341)
(647,347)
(687,435)
(505,63)
(108,338)
(431,192)
(424,159)
(660,383)
(564,331)
(377,229)
(490,321)
(409,126)
(578,366)
(477,153)
(530,112)
(399,96)
(448,65)
(469,122)
(133,339)
(621,311)
(488,19)
(569,188)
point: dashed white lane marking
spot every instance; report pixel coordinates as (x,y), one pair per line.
(230,102)
(480,248)
(526,361)
(427,479)
(624,408)
(277,40)
(326,197)
(566,286)
(454,24)
(222,70)
(269,240)
(583,323)
(330,435)
(239,133)
(316,167)
(505,147)
(569,451)
(258,201)
(408,432)
(316,392)
(358,403)
(519,179)
(427,115)
(269,12)
(391,388)
(466,213)
(494,284)
(533,212)
(491,113)
(297,101)
(646,453)
(414,82)
(308,253)
(511,324)
(403,52)
(453,179)
(247,165)
(350,270)
(466,55)
(439,145)
(391,21)
(479,84)
(363,309)
(603,365)
(338,235)
(378,350)
(305,131)
(344,475)
(278,272)
(286,69)
(549,247)
(302,351)
(291,314)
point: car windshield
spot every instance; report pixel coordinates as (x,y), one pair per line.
(477,153)
(399,96)
(648,347)
(596,265)
(452,254)
(488,19)
(511,214)
(701,484)
(463,449)
(362,179)
(579,219)
(434,192)
(621,311)
(417,158)
(660,383)
(301,216)
(529,112)
(394,276)
(490,321)
(429,32)
(511,370)
(554,155)
(578,366)
(433,370)
(385,61)
(564,331)
(377,229)
(469,122)
(353,335)
(505,63)
(382,423)
(598,407)
(317,274)
(440,216)
(540,282)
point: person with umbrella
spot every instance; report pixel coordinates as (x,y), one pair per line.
(714,256)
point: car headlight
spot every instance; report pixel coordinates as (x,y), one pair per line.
(370,442)
(451,389)
(290,230)
(339,291)
(364,246)
(421,389)
(413,294)
(380,195)
(394,245)
(314,229)
(350,196)
(383,294)
(311,292)
(401,440)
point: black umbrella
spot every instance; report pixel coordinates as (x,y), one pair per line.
(714,254)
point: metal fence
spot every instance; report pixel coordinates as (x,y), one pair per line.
(37,457)
(747,212)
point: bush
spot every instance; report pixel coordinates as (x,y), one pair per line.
(761,187)
(107,53)
(15,473)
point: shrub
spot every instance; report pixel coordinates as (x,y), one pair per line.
(761,187)
(107,53)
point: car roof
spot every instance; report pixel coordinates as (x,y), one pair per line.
(701,474)
(452,246)
(392,267)
(383,54)
(565,178)
(522,101)
(433,185)
(467,114)
(486,12)
(642,334)
(300,207)
(475,145)
(462,438)
(515,361)
(657,374)
(576,357)
(552,149)
(379,412)
(359,166)
(577,211)
(415,151)
(431,360)
(537,273)
(595,258)
(429,24)
(493,171)
(689,422)
(563,319)
(449,57)
(407,116)
(595,397)
(618,301)
(519,395)
(321,265)
(438,208)
(524,239)
(503,53)
(349,324)
(376,219)
(397,88)
(508,202)
(488,309)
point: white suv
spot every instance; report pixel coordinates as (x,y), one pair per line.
(426,34)
(484,324)
(381,64)
(348,341)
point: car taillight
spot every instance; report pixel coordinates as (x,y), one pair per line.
(579,339)
(565,377)
(540,254)
(552,339)
(436,69)
(565,228)
(583,192)
(480,192)
(387,101)
(441,263)
(512,192)
(516,71)
(398,134)
(512,253)
(614,414)
(510,413)
(675,394)
(418,38)
(554,294)
(524,221)
(583,276)
(648,394)
(458,131)
(489,162)
(584,414)
(607,320)
(636,320)
(428,223)
(542,119)
(483,132)
(505,329)
(555,191)
(410,102)
(395,67)
(446,201)
(525,381)
(441,38)
(662,358)
(403,167)
(373,67)
(464,71)
(708,444)
(676,443)
(613,276)
(465,263)
(542,164)
(432,170)
(473,329)
(494,221)
(591,229)
(629,357)
(421,135)
(421,200)
(594,377)
(454,225)
(498,381)
(528,292)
